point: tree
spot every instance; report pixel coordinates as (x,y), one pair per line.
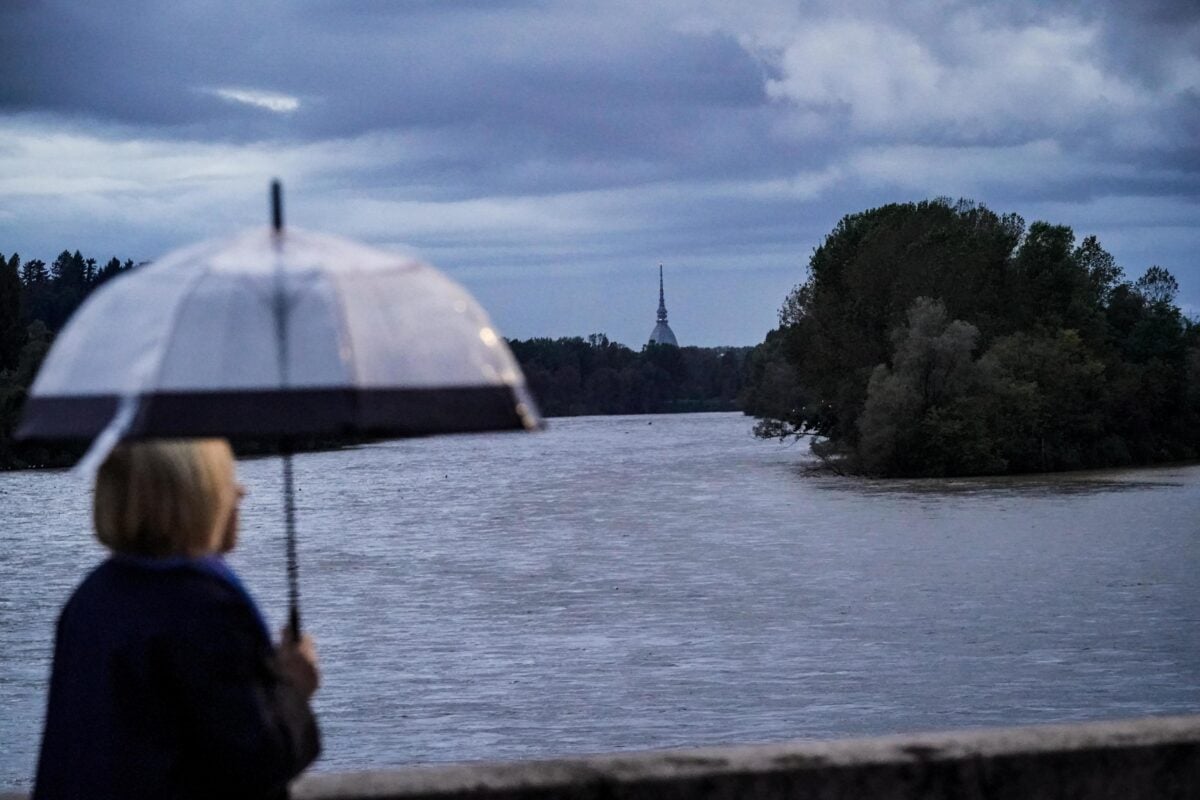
(68,287)
(1080,367)
(920,396)
(110,270)
(35,300)
(1062,417)
(61,271)
(1052,289)
(772,391)
(12,329)
(39,291)
(837,326)
(1157,286)
(598,376)
(35,273)
(1102,270)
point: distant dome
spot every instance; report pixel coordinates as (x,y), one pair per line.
(662,333)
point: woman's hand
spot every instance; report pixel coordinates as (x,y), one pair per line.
(298,662)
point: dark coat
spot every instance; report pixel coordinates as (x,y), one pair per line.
(165,685)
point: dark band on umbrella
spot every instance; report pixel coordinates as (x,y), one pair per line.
(392,413)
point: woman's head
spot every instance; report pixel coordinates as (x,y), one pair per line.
(167,497)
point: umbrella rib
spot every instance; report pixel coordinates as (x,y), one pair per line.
(343,318)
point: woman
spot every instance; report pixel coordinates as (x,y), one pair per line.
(165,682)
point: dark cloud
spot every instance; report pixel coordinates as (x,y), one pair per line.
(585,138)
(1166,12)
(147,65)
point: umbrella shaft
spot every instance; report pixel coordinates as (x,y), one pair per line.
(289,522)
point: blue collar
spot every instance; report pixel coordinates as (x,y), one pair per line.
(213,565)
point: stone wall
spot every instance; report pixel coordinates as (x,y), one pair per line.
(1152,758)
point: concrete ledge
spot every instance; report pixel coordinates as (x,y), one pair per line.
(1156,759)
(1151,758)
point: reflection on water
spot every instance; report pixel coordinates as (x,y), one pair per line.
(633,582)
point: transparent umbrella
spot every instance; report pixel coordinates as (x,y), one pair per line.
(277,334)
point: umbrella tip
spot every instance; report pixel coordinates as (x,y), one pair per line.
(277,206)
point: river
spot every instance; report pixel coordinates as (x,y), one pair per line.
(622,583)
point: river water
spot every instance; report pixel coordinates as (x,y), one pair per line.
(640,582)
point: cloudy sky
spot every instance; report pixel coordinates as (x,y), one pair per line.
(550,155)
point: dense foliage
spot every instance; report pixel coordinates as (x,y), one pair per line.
(944,339)
(573,376)
(35,300)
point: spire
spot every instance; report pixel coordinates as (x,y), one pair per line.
(662,333)
(662,303)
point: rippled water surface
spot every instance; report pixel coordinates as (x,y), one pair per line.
(637,582)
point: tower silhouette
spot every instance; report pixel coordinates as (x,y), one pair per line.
(662,333)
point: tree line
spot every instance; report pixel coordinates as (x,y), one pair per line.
(941,338)
(568,376)
(35,301)
(574,376)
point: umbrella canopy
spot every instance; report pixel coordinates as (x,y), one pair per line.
(278,333)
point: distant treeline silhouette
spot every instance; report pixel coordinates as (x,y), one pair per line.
(574,376)
(940,338)
(35,301)
(568,376)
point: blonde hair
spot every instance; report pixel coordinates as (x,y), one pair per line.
(164,497)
